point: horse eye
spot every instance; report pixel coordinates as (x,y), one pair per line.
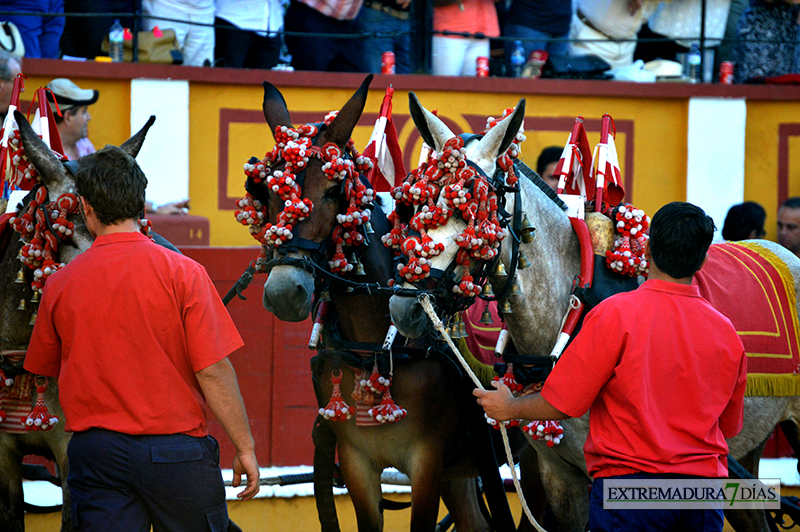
(332,193)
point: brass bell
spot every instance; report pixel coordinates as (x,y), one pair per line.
(515,288)
(505,308)
(527,231)
(451,328)
(360,269)
(500,270)
(20,277)
(23,305)
(36,297)
(462,329)
(368,228)
(33,319)
(523,261)
(486,317)
(487,290)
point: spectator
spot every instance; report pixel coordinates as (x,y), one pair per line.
(641,425)
(324,53)
(608,28)
(744,221)
(246,33)
(725,49)
(536,23)
(789,225)
(391,18)
(83,36)
(41,34)
(767,40)
(546,165)
(458,56)
(154,321)
(191,20)
(10,66)
(678,23)
(73,124)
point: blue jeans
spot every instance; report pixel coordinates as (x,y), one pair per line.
(541,41)
(127,483)
(603,520)
(373,20)
(41,35)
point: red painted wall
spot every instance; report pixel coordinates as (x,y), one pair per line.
(272,368)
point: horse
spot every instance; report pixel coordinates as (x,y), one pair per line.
(427,444)
(537,310)
(16,326)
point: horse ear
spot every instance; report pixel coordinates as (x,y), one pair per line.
(340,130)
(47,164)
(276,113)
(430,126)
(134,144)
(500,137)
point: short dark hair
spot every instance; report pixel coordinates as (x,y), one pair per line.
(742,219)
(791,203)
(680,234)
(60,118)
(548,155)
(114,185)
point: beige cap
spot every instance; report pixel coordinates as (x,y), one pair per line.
(69,95)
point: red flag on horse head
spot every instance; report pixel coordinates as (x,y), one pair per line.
(608,176)
(574,170)
(384,149)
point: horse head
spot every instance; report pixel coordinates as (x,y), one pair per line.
(461,170)
(59,179)
(309,190)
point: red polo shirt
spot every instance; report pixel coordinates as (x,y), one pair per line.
(662,374)
(125,326)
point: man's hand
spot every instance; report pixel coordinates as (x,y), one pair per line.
(246,464)
(497,404)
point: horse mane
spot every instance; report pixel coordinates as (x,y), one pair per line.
(536,179)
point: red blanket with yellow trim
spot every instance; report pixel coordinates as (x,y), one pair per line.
(482,338)
(755,290)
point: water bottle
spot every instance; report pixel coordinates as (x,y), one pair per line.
(115,38)
(693,60)
(517,59)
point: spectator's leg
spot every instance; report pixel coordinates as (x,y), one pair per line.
(52,29)
(402,46)
(560,47)
(448,55)
(725,49)
(30,27)
(475,48)
(264,52)
(372,20)
(231,44)
(198,45)
(311,53)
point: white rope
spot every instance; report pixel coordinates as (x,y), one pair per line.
(424,300)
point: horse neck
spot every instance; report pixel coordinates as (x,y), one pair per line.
(365,317)
(554,255)
(15,330)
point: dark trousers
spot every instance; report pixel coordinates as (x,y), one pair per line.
(237,48)
(602,520)
(127,483)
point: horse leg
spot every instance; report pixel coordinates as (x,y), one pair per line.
(567,490)
(12,514)
(426,487)
(58,444)
(532,488)
(461,498)
(363,482)
(749,520)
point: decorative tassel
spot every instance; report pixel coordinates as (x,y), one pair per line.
(40,418)
(387,411)
(337,409)
(376,383)
(550,431)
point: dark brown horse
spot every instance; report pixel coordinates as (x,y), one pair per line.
(428,445)
(16,327)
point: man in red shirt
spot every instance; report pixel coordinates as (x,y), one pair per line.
(139,341)
(662,374)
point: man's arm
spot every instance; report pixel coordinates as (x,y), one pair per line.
(732,418)
(502,405)
(221,390)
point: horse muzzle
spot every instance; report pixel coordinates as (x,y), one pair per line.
(288,293)
(408,316)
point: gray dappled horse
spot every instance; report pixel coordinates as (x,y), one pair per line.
(535,323)
(16,329)
(428,444)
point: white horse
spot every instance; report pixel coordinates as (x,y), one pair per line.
(536,318)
